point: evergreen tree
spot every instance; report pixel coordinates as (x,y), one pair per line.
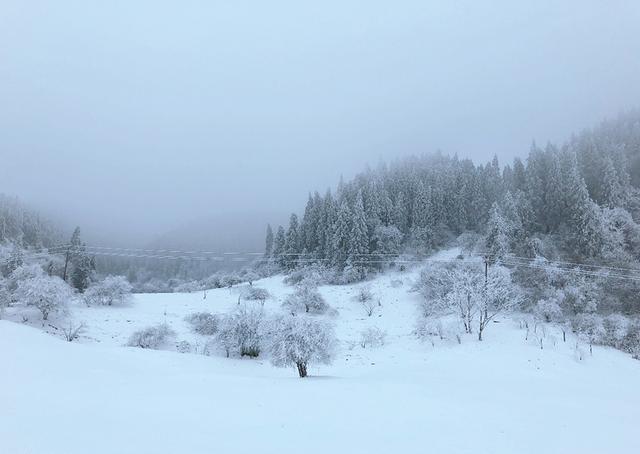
(279,246)
(497,240)
(268,249)
(341,235)
(292,244)
(359,237)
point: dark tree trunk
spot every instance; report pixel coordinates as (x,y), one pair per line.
(302,369)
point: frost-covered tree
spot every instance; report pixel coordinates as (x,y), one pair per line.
(306,299)
(498,294)
(497,240)
(341,235)
(45,293)
(112,290)
(5,297)
(359,236)
(14,261)
(268,249)
(301,341)
(292,244)
(279,246)
(242,331)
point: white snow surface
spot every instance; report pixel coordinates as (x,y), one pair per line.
(502,395)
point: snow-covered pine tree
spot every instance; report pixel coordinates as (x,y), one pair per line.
(268,249)
(341,235)
(497,241)
(292,244)
(359,235)
(279,245)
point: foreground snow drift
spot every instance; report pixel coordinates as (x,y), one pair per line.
(503,396)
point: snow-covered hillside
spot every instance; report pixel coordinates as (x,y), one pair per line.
(503,395)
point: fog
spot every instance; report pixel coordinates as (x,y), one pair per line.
(134,119)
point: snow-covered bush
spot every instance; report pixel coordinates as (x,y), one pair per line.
(309,276)
(183,347)
(350,275)
(616,328)
(372,337)
(112,290)
(242,332)
(548,310)
(230,280)
(590,328)
(23,273)
(188,287)
(5,296)
(204,323)
(581,296)
(631,342)
(255,294)
(47,294)
(152,337)
(299,341)
(153,285)
(249,276)
(306,299)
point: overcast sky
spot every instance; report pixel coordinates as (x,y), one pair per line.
(133,117)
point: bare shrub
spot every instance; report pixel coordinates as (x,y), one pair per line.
(372,337)
(73,331)
(366,299)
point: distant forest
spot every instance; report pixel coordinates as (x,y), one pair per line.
(579,202)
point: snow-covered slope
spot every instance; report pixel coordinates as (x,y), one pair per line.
(503,395)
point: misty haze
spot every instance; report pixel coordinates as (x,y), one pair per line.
(337,227)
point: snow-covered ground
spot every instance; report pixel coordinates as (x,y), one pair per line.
(503,395)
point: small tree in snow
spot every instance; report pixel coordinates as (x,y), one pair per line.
(48,294)
(306,299)
(300,341)
(366,299)
(462,290)
(549,310)
(112,290)
(498,294)
(590,328)
(242,331)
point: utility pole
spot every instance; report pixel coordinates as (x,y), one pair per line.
(486,281)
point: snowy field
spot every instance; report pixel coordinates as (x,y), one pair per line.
(503,395)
